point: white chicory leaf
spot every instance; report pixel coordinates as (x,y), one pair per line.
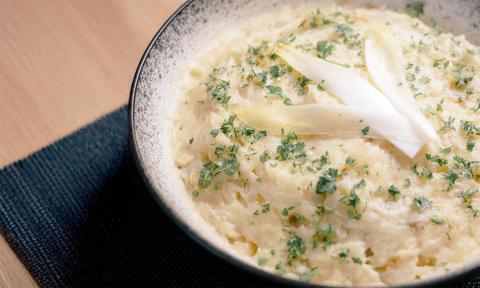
(354,91)
(328,119)
(383,57)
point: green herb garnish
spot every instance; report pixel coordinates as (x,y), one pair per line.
(276,71)
(292,149)
(343,255)
(470,129)
(470,145)
(295,247)
(324,49)
(436,159)
(394,191)
(275,90)
(448,125)
(219,89)
(451,177)
(327,183)
(437,220)
(357,260)
(324,235)
(365,131)
(422,203)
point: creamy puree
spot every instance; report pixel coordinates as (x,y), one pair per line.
(345,211)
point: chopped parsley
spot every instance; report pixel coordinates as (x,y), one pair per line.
(265,209)
(288,40)
(303,82)
(451,177)
(394,191)
(265,157)
(353,201)
(291,149)
(260,134)
(441,63)
(470,145)
(219,149)
(275,90)
(437,220)
(276,71)
(448,125)
(324,235)
(476,108)
(447,150)
(357,260)
(214,132)
(228,165)
(279,268)
(365,131)
(320,211)
(470,129)
(348,35)
(410,77)
(228,129)
(324,49)
(462,163)
(424,80)
(467,199)
(209,171)
(249,132)
(465,166)
(320,86)
(190,141)
(436,159)
(424,174)
(421,203)
(327,183)
(219,89)
(295,247)
(285,211)
(343,255)
(350,162)
(259,79)
(462,80)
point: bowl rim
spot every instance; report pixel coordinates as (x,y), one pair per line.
(444,280)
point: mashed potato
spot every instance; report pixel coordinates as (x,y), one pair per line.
(345,211)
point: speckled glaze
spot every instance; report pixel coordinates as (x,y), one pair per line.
(154,95)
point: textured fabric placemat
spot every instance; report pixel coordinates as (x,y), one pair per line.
(78,215)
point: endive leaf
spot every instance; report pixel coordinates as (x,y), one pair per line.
(343,83)
(354,91)
(328,119)
(383,57)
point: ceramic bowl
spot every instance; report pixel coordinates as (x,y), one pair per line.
(154,94)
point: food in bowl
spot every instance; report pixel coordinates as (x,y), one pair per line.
(336,144)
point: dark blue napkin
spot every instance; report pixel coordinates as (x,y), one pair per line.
(78,215)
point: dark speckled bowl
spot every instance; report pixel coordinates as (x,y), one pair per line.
(154,93)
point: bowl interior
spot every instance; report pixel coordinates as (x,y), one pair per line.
(154,92)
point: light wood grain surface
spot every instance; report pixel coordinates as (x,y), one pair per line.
(63,64)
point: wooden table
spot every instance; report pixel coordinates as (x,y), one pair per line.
(63,64)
